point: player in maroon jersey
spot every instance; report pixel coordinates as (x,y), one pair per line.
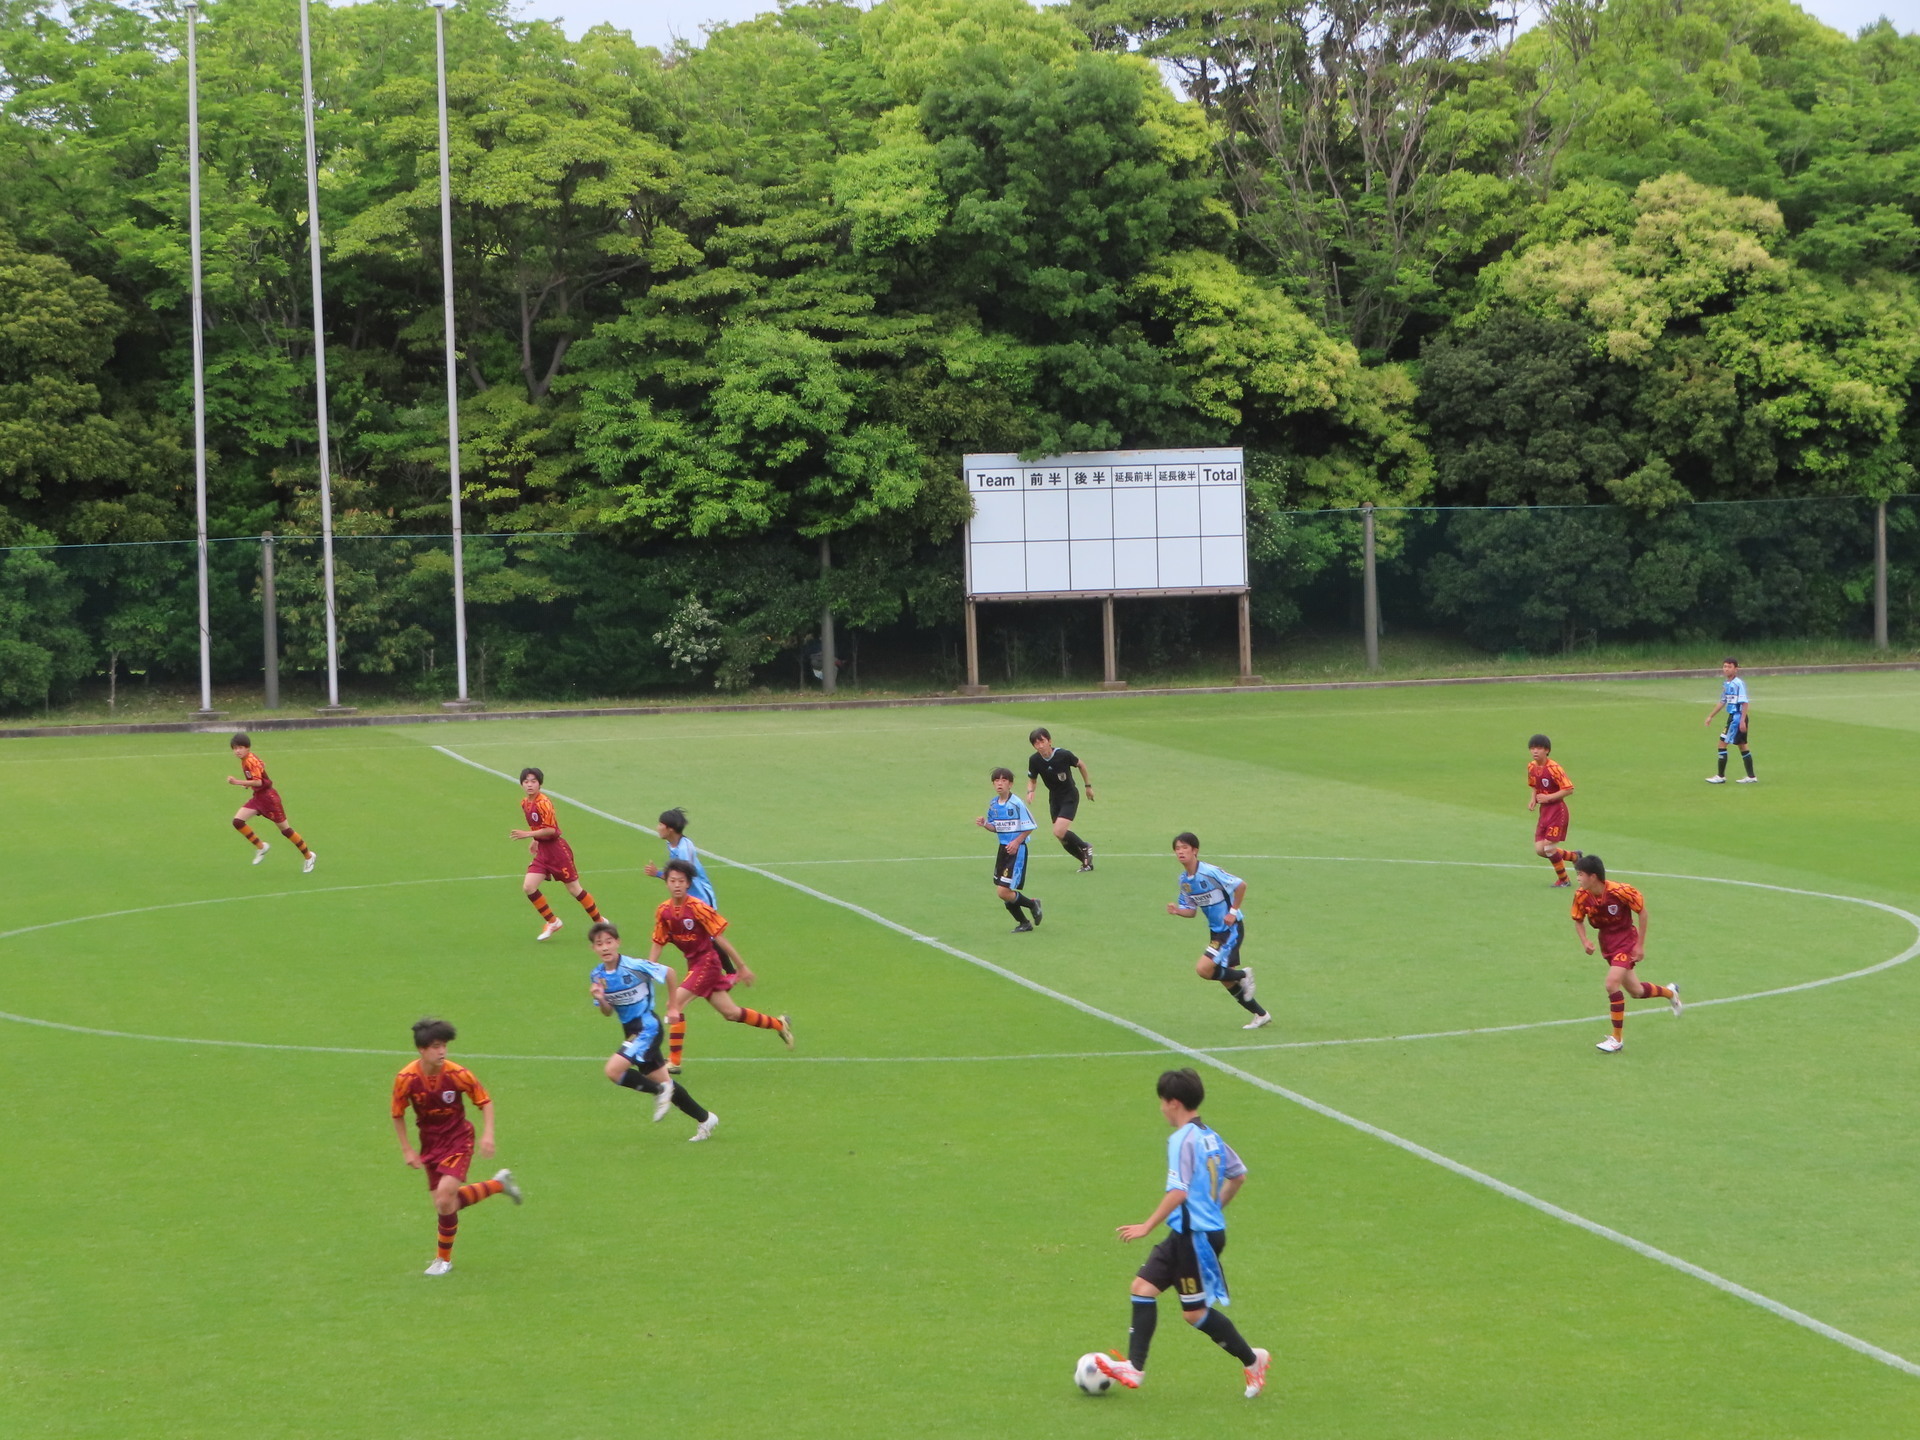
(694,929)
(263,800)
(1610,907)
(1547,790)
(552,856)
(433,1087)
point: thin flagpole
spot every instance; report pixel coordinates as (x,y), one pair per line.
(199,363)
(320,362)
(453,381)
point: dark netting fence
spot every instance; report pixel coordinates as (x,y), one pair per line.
(570,615)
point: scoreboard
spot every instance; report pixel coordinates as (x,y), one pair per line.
(1114,522)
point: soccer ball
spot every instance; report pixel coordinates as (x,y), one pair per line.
(1088,1375)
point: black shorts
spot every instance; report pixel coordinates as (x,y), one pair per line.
(1010,867)
(1174,1266)
(1063,807)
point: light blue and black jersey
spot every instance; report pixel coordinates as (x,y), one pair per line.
(1011,822)
(1733,694)
(1200,1163)
(629,988)
(1210,890)
(702,888)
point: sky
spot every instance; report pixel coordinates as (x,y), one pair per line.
(661,22)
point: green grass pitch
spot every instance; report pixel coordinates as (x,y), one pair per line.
(906,1227)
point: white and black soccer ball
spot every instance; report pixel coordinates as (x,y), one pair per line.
(1088,1375)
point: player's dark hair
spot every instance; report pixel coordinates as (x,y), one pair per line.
(241,740)
(602,927)
(1187,837)
(1000,772)
(674,819)
(1591,865)
(681,867)
(1040,733)
(1539,742)
(1185,1086)
(535,772)
(432,1032)
(1731,661)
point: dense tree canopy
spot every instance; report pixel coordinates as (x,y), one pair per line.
(722,305)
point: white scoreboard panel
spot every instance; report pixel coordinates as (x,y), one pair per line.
(1107,522)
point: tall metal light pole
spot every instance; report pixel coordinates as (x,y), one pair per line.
(206,710)
(333,705)
(453,378)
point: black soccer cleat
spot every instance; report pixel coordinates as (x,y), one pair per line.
(1022,928)
(1036,910)
(1086,860)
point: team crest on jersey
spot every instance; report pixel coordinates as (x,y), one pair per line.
(447,1095)
(1613,909)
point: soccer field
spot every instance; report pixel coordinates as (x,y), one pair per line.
(905,1227)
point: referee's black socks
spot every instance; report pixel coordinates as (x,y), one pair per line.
(1074,846)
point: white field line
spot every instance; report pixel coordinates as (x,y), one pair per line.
(1512,1192)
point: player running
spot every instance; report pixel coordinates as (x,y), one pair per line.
(1203,1176)
(433,1086)
(621,985)
(1056,766)
(694,928)
(673,830)
(1547,791)
(1733,699)
(265,800)
(552,856)
(1011,822)
(1210,891)
(1610,908)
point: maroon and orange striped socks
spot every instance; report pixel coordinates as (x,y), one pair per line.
(756,1019)
(1617,1003)
(539,902)
(1558,858)
(676,1042)
(586,903)
(480,1190)
(1659,992)
(449,1223)
(246,832)
(293,837)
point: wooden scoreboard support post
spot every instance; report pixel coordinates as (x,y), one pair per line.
(1109,633)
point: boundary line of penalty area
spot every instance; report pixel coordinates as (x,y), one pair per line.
(1467,1172)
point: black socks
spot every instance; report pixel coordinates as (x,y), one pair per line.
(687,1105)
(1219,1329)
(1074,846)
(1146,1315)
(634,1080)
(1723,762)
(1747,755)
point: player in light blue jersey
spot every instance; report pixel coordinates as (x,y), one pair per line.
(1733,700)
(623,986)
(1203,1176)
(673,830)
(1209,891)
(1011,822)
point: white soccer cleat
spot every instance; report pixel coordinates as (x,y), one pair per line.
(260,852)
(1748,780)
(1246,984)
(1257,1373)
(508,1188)
(707,1127)
(306,867)
(439,1267)
(1674,1003)
(1611,1044)
(1716,779)
(1259,1022)
(786,1031)
(1121,1372)
(550,929)
(662,1103)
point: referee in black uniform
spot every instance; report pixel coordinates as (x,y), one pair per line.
(1056,766)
